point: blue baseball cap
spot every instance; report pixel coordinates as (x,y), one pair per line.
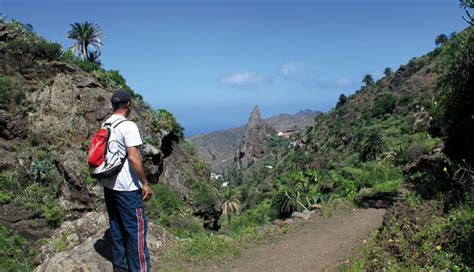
(120,96)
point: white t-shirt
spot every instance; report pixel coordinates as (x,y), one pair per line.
(127,135)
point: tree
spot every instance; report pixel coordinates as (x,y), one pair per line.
(387,71)
(452,35)
(88,41)
(368,80)
(231,204)
(441,39)
(372,145)
(342,100)
(384,103)
(467,4)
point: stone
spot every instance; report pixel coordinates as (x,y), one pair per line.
(279,223)
(316,207)
(422,121)
(300,215)
(88,246)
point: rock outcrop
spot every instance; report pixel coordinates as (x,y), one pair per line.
(253,140)
(422,121)
(85,245)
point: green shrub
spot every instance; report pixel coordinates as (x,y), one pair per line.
(5,197)
(413,199)
(10,92)
(164,120)
(52,212)
(166,202)
(15,252)
(453,234)
(379,175)
(46,50)
(9,182)
(262,214)
(36,48)
(41,199)
(399,154)
(69,57)
(203,194)
(183,226)
(384,103)
(204,249)
(88,66)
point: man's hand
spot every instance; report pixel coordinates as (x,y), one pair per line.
(137,166)
(147,192)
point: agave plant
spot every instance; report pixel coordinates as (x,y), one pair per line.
(398,154)
(287,201)
(88,40)
(305,182)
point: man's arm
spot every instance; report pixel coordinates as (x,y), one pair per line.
(137,166)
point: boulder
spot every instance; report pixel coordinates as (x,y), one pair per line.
(315,207)
(301,215)
(279,223)
(85,245)
(422,121)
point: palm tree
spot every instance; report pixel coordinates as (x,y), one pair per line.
(467,4)
(231,204)
(368,80)
(372,145)
(88,40)
(441,39)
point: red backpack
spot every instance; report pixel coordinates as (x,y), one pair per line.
(101,165)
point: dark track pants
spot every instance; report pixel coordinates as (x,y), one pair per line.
(128,228)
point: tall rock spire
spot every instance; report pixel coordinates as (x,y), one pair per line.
(253,141)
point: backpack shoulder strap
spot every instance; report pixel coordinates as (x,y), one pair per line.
(110,124)
(121,121)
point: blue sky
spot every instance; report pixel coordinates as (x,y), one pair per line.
(210,62)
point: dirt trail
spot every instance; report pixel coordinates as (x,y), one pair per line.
(321,244)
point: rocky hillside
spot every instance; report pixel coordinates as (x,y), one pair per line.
(219,147)
(51,104)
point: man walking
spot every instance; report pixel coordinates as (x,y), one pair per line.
(125,192)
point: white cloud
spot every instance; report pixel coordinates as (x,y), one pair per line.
(293,70)
(299,72)
(344,81)
(243,79)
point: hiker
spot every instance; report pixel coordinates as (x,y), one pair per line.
(126,191)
